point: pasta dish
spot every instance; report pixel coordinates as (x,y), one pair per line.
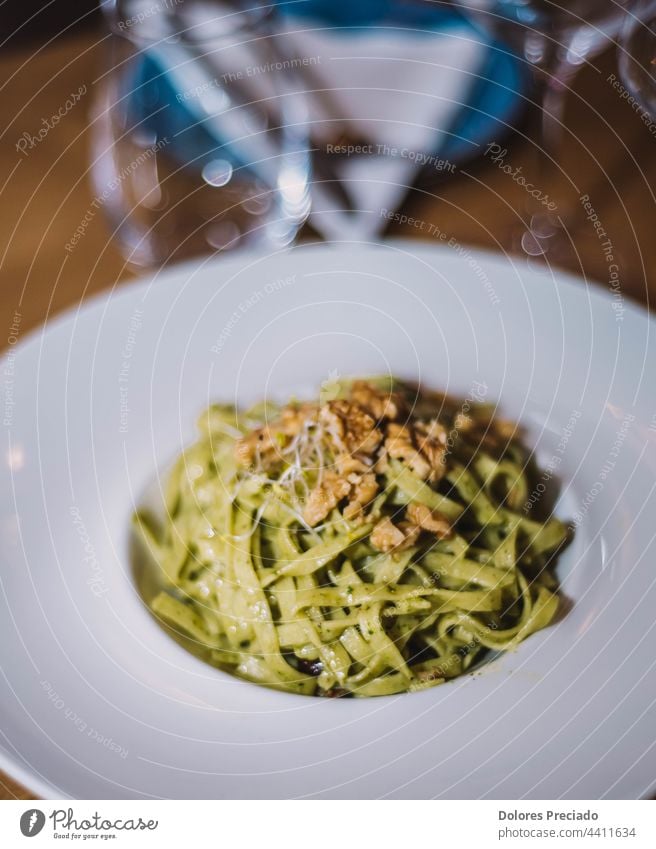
(373,542)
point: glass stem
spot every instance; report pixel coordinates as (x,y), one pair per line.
(545,231)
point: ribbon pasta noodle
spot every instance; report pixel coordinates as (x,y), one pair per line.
(372,543)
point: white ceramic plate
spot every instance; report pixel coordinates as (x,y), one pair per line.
(98,702)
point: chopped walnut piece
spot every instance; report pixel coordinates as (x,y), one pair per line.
(334,427)
(378,403)
(429,520)
(325,497)
(411,533)
(399,445)
(319,504)
(432,430)
(382,462)
(294,419)
(366,489)
(431,441)
(353,512)
(347,464)
(350,427)
(386,536)
(266,442)
(257,443)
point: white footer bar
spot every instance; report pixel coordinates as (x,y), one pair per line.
(328,824)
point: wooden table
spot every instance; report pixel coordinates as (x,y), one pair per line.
(46,192)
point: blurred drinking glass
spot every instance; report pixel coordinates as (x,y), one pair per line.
(556,38)
(200,130)
(637,54)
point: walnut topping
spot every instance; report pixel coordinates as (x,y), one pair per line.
(351,427)
(365,488)
(339,449)
(399,446)
(347,464)
(360,489)
(266,443)
(431,441)
(386,536)
(256,443)
(411,533)
(325,497)
(379,404)
(429,520)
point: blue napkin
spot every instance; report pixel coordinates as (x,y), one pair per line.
(488,88)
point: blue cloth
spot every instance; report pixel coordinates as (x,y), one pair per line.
(496,100)
(494,104)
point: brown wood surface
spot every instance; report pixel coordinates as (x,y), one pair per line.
(45,193)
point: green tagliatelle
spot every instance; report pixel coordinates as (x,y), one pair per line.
(316,607)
